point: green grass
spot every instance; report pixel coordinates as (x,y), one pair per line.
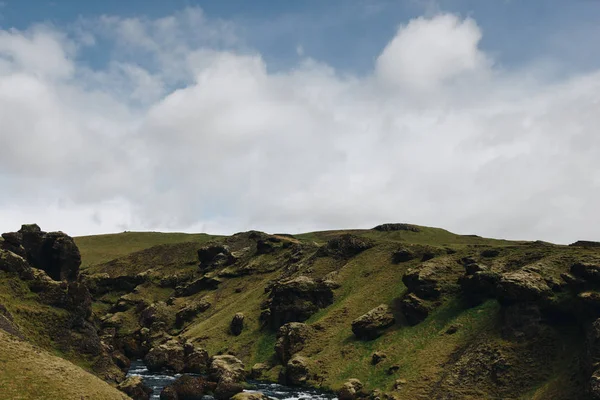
(97,249)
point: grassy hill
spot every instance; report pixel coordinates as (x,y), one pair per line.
(460,350)
(28,372)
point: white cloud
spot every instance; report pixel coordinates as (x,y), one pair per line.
(186,128)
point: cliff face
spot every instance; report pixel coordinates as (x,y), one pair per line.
(400,311)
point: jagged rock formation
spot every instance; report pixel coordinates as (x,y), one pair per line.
(372,324)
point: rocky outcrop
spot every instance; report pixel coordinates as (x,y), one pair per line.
(250,396)
(345,246)
(237,324)
(185,388)
(175,356)
(14,263)
(258,370)
(229,374)
(397,227)
(297,371)
(102,283)
(198,285)
(191,311)
(291,339)
(522,286)
(403,255)
(350,390)
(135,388)
(214,256)
(297,299)
(158,316)
(414,309)
(429,279)
(372,324)
(55,253)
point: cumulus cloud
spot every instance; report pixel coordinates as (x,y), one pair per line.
(186,128)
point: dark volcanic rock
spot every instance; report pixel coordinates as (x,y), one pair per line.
(227,368)
(191,311)
(587,271)
(403,255)
(350,390)
(397,227)
(345,246)
(479,286)
(214,256)
(185,388)
(425,280)
(490,253)
(372,324)
(135,388)
(414,309)
(203,283)
(237,324)
(291,339)
(11,262)
(100,284)
(297,371)
(54,252)
(297,299)
(177,357)
(585,243)
(522,286)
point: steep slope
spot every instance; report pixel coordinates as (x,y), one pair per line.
(28,372)
(461,316)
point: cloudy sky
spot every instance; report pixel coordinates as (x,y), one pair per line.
(478,117)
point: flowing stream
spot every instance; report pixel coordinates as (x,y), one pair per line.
(157,381)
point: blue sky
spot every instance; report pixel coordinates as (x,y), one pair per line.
(289,116)
(349,34)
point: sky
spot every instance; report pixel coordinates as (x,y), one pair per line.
(292,116)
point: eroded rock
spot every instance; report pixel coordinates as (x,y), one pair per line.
(291,339)
(372,324)
(135,388)
(237,324)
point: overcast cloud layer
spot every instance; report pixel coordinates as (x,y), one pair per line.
(186,128)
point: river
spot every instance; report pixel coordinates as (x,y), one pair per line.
(157,381)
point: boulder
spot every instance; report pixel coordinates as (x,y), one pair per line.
(227,368)
(295,300)
(257,370)
(225,390)
(403,255)
(198,285)
(135,388)
(157,316)
(214,256)
(297,371)
(378,357)
(54,252)
(14,263)
(426,280)
(345,246)
(372,324)
(237,324)
(350,390)
(522,286)
(521,320)
(586,271)
(13,242)
(414,309)
(175,356)
(185,388)
(250,396)
(397,227)
(191,311)
(479,286)
(291,339)
(102,283)
(490,253)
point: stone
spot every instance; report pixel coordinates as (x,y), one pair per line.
(14,263)
(297,371)
(258,370)
(426,279)
(399,383)
(214,256)
(227,368)
(191,311)
(414,309)
(250,396)
(350,389)
(345,246)
(185,387)
(378,357)
(121,361)
(372,324)
(135,388)
(479,286)
(295,300)
(225,390)
(522,286)
(196,359)
(291,339)
(490,253)
(587,271)
(198,285)
(169,355)
(403,255)
(237,324)
(397,227)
